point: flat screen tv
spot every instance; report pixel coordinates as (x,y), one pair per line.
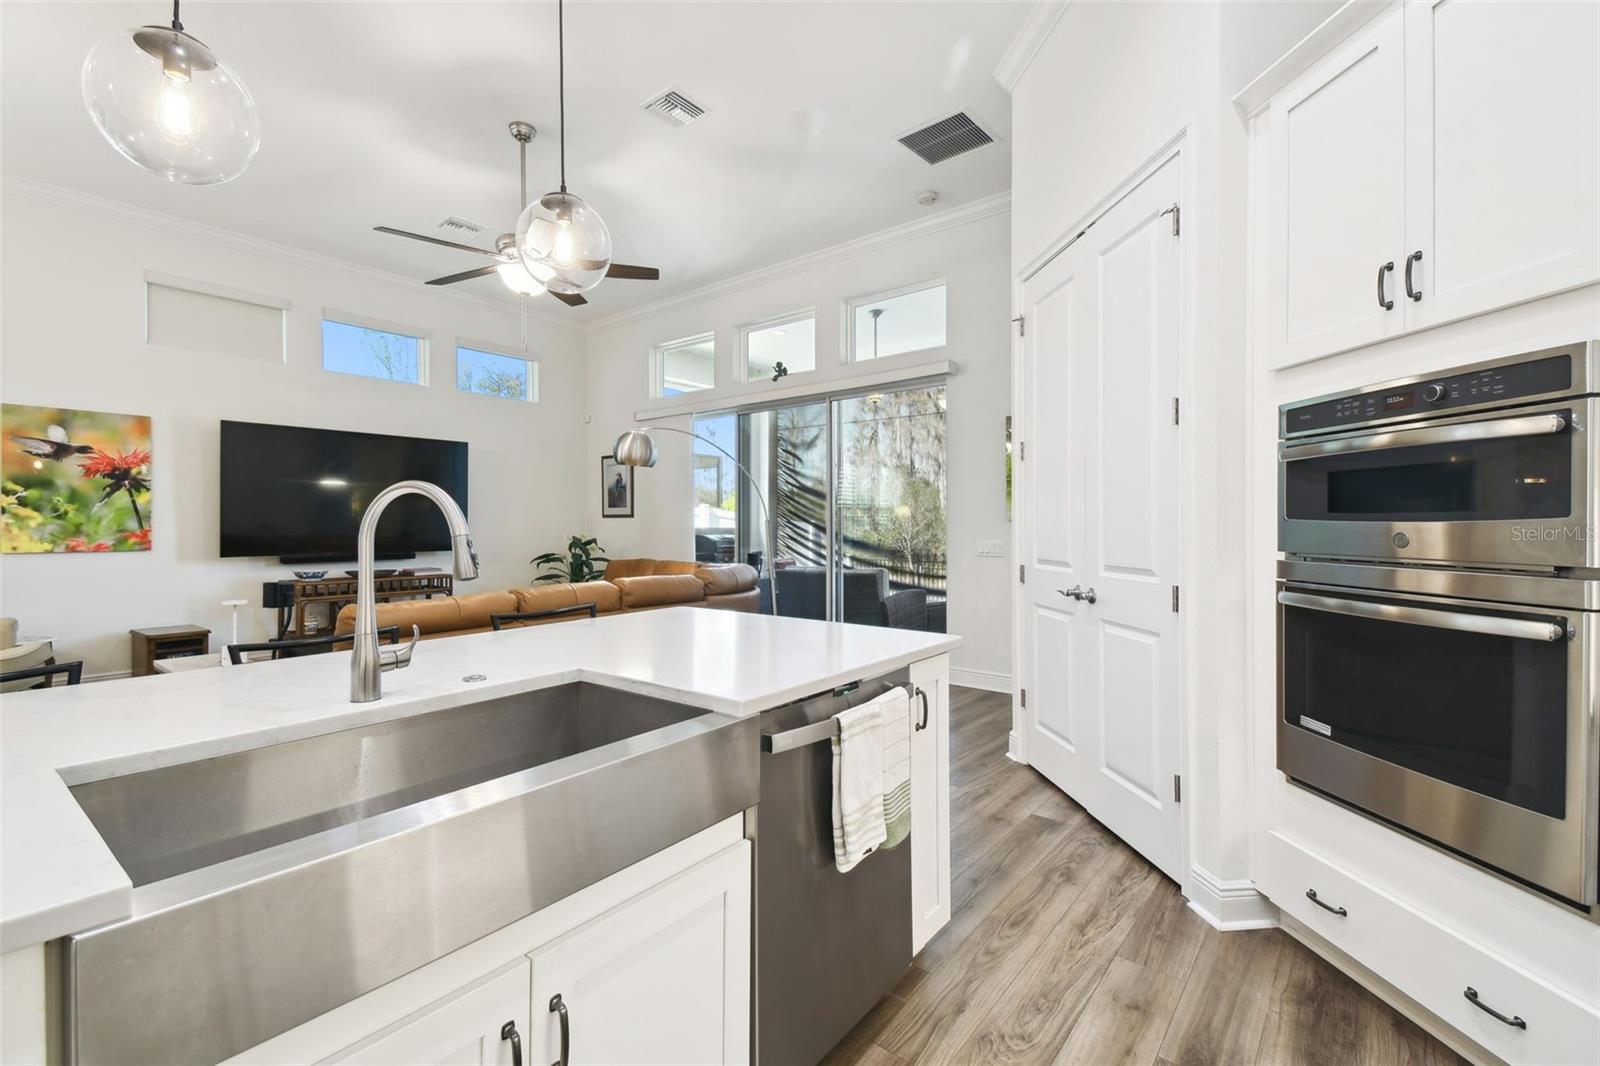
(299,493)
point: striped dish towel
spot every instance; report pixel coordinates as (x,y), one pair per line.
(858,826)
(896,765)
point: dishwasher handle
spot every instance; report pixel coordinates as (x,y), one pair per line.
(828,728)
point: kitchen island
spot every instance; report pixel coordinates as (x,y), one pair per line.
(60,877)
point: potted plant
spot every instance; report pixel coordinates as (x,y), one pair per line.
(576,565)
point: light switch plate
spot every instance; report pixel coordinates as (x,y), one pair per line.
(992,549)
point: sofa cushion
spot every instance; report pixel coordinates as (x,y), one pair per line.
(605,596)
(748,600)
(659,590)
(551,596)
(629,568)
(727,578)
(477,607)
(441,615)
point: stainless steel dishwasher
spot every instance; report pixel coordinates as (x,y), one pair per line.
(828,945)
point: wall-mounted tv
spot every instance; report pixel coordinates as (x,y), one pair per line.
(299,493)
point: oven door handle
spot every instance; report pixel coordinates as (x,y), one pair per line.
(1493,429)
(1491,625)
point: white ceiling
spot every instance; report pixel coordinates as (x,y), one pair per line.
(395,114)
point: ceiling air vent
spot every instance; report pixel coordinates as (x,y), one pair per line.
(947,138)
(674,108)
(452,224)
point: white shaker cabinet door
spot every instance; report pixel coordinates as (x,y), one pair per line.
(930,800)
(662,979)
(474,1027)
(1336,150)
(1502,138)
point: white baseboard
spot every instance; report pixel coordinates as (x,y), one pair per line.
(988,680)
(1014,748)
(1229,905)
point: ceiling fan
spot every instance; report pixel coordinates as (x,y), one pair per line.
(508,263)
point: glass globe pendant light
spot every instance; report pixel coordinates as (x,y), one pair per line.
(165,101)
(562,241)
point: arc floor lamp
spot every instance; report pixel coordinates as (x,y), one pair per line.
(637,447)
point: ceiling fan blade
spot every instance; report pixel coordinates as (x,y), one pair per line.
(437,240)
(465,275)
(570,299)
(633,273)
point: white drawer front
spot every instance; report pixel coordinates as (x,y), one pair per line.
(1429,962)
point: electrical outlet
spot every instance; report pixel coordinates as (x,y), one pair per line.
(991,549)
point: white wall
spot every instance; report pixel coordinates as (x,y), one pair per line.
(73,337)
(1110,86)
(973,259)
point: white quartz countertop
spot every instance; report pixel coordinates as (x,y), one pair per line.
(58,877)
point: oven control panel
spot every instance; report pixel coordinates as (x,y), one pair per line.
(1503,383)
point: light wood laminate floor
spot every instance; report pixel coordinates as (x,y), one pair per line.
(1067,947)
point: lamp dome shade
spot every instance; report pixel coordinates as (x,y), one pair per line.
(564,243)
(165,101)
(635,448)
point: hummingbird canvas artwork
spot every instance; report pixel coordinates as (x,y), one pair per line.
(73,481)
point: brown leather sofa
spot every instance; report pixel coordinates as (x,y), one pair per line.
(629,585)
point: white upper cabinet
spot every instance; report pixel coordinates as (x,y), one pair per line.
(1337,155)
(1456,140)
(1502,129)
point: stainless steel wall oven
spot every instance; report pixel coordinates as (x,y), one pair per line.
(1439,612)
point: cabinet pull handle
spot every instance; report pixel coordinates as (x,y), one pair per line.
(1386,304)
(558,1007)
(509,1032)
(1414,257)
(1311,894)
(1471,995)
(923,722)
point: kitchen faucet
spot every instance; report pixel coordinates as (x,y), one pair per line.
(367,660)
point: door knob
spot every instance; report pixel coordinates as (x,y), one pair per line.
(1074,593)
(1088,596)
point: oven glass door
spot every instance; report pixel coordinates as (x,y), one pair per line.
(1510,478)
(1473,697)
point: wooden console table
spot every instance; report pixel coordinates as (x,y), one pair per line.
(293,597)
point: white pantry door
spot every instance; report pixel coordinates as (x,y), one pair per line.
(1100,361)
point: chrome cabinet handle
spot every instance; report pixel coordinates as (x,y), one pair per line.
(1471,995)
(1487,624)
(1311,894)
(1488,429)
(1386,304)
(509,1032)
(399,658)
(1413,258)
(558,1007)
(923,724)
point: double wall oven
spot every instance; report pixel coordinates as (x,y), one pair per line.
(1439,610)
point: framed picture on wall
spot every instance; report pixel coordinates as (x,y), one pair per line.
(616,488)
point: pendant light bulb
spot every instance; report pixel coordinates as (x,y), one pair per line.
(164,100)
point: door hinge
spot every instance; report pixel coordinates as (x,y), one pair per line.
(1177,788)
(1022,450)
(1174,410)
(1022,573)
(1022,325)
(1174,599)
(1176,212)
(1024,697)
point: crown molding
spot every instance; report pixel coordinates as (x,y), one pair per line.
(1029,39)
(240,242)
(973,211)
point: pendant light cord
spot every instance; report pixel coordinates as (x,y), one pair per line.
(175,23)
(561,81)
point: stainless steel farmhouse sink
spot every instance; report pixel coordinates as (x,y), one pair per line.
(274,884)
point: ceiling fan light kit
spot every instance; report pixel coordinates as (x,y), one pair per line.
(167,103)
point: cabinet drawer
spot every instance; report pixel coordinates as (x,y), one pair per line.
(1428,962)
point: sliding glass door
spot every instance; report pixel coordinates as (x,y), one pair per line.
(856,486)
